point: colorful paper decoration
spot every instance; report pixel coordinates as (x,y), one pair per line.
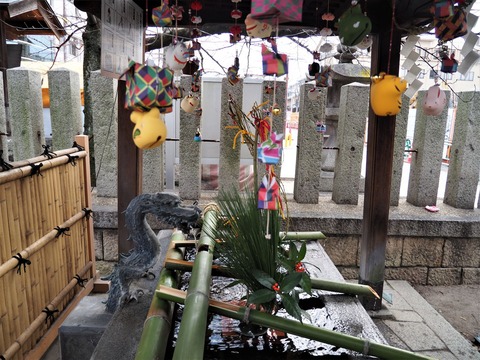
(198,136)
(320,127)
(150,130)
(451,27)
(256,28)
(324,77)
(434,101)
(176,56)
(189,103)
(282,10)
(449,64)
(269,194)
(177,12)
(353,25)
(270,151)
(148,87)
(162,15)
(273,62)
(232,73)
(386,94)
(443,8)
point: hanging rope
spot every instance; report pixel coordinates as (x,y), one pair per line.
(21,261)
(391,37)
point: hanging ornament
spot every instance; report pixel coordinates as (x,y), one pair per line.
(324,77)
(196,45)
(449,64)
(189,103)
(316,55)
(162,15)
(198,136)
(196,5)
(236,14)
(195,33)
(269,194)
(270,150)
(256,28)
(191,67)
(150,130)
(177,12)
(328,16)
(313,68)
(276,110)
(434,101)
(320,127)
(326,32)
(235,32)
(176,56)
(326,48)
(196,19)
(274,63)
(365,43)
(353,25)
(386,94)
(232,73)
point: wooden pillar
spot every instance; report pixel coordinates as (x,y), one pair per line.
(381,136)
(3,52)
(129,179)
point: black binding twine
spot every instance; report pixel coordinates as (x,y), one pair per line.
(21,261)
(62,231)
(47,153)
(71,159)
(79,147)
(88,212)
(80,281)
(36,169)
(5,166)
(49,314)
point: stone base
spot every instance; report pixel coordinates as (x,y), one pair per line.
(81,331)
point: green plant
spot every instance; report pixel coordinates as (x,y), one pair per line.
(251,249)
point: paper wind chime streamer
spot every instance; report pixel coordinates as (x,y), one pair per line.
(408,51)
(270,151)
(269,194)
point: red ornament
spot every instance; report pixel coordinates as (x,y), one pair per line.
(235,30)
(276,287)
(236,14)
(196,5)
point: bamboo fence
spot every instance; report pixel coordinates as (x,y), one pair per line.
(46,247)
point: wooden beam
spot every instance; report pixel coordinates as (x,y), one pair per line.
(381,135)
(129,177)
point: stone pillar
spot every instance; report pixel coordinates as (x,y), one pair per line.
(26,112)
(229,162)
(105,120)
(401,122)
(65,107)
(352,119)
(153,170)
(309,146)
(189,180)
(3,122)
(464,166)
(426,163)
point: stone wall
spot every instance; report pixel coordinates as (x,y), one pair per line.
(423,248)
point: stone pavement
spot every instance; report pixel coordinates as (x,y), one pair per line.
(411,323)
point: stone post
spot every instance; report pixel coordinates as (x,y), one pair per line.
(153,170)
(189,180)
(401,122)
(3,122)
(309,146)
(464,167)
(105,119)
(229,162)
(26,112)
(352,119)
(426,163)
(65,107)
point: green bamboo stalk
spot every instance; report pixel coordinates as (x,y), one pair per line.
(345,341)
(301,235)
(154,339)
(343,287)
(319,284)
(191,337)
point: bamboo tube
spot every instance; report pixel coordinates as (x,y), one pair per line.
(154,339)
(301,235)
(344,287)
(5,246)
(21,163)
(25,171)
(37,245)
(4,312)
(294,327)
(40,319)
(191,336)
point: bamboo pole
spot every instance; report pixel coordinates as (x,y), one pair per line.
(363,346)
(37,245)
(191,337)
(319,284)
(301,235)
(154,339)
(21,163)
(40,319)
(24,171)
